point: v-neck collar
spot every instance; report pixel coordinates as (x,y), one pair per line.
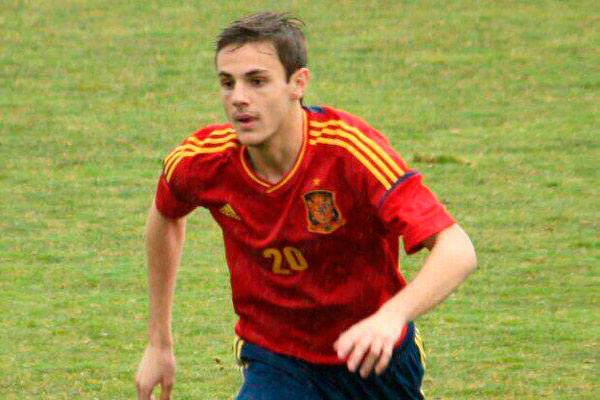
(272,187)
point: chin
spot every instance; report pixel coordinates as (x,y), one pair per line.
(251,138)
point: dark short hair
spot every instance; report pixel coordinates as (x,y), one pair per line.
(280,29)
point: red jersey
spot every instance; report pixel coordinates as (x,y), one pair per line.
(317,252)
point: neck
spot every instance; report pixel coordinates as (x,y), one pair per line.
(274,158)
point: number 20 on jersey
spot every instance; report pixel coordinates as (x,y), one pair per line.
(285,261)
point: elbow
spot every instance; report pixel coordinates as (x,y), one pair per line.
(458,243)
(467,252)
(470,257)
(472,262)
(455,248)
(466,263)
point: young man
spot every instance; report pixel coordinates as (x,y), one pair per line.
(311,201)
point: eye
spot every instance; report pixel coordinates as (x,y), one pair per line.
(226,83)
(258,81)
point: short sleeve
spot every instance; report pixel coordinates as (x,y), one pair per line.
(190,172)
(173,199)
(402,203)
(412,211)
(168,202)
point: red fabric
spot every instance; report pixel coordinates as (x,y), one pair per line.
(313,256)
(169,203)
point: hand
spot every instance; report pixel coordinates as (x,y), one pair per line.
(157,367)
(370,342)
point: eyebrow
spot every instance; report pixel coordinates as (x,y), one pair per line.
(250,73)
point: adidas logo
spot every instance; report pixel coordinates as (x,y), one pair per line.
(229,211)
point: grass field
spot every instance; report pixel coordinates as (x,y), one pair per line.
(497,103)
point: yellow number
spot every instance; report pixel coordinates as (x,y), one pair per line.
(277,261)
(293,257)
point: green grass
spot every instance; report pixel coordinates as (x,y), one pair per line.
(497,103)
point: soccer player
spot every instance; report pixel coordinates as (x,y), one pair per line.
(312,202)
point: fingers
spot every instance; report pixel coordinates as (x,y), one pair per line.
(138,388)
(372,355)
(143,393)
(358,353)
(143,387)
(384,358)
(369,352)
(157,367)
(360,349)
(344,345)
(165,391)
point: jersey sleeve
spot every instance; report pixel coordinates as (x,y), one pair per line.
(168,202)
(402,202)
(173,198)
(190,171)
(412,211)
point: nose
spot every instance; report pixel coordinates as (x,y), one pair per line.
(239,95)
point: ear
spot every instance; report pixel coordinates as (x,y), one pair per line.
(299,82)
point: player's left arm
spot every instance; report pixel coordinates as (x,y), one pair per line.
(369,343)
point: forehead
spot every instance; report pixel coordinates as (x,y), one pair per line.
(237,60)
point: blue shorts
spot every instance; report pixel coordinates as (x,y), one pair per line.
(271,376)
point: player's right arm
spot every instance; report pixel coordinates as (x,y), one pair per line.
(189,172)
(164,243)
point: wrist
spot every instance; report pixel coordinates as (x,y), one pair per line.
(393,316)
(398,309)
(160,341)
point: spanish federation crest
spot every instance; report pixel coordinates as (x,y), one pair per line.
(322,213)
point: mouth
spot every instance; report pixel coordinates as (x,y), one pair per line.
(245,120)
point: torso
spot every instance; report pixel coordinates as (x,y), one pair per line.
(307,256)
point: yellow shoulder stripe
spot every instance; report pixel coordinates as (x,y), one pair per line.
(372,156)
(315,139)
(177,150)
(188,147)
(367,140)
(200,150)
(193,146)
(210,139)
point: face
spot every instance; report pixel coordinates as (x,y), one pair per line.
(258,99)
